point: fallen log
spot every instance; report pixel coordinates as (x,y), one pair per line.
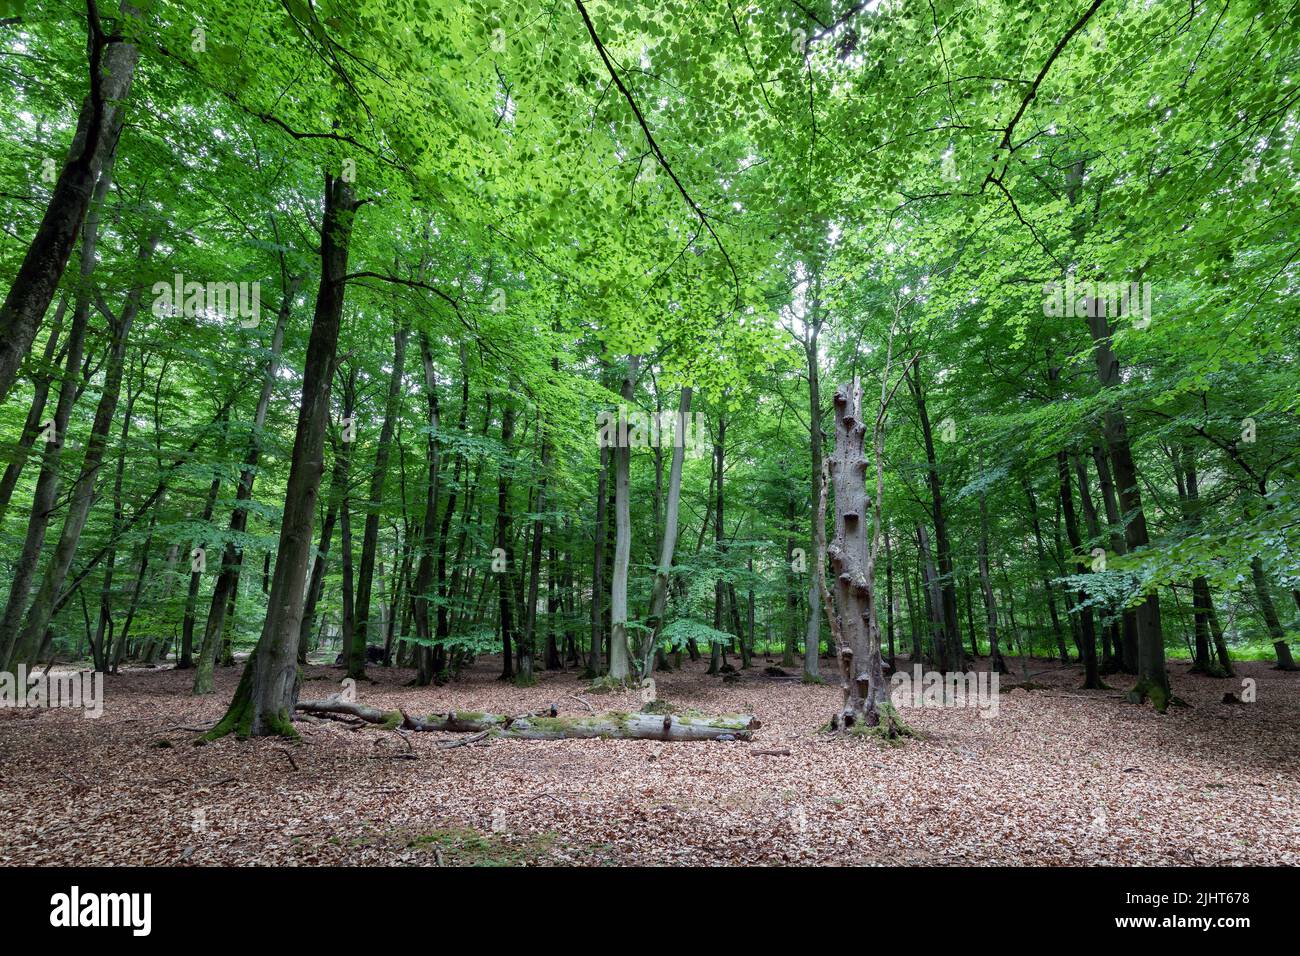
(548,727)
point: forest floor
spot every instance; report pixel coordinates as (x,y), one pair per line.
(1059,776)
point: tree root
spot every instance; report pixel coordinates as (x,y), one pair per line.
(889,726)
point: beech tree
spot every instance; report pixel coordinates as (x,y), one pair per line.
(1088,453)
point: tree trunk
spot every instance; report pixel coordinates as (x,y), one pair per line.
(934,597)
(791,584)
(668,543)
(47,482)
(44,496)
(717,653)
(370,536)
(619,653)
(945,582)
(916,656)
(996,663)
(112,62)
(348,623)
(1202,605)
(232,555)
(532,727)
(816,563)
(269,686)
(891,605)
(504,542)
(1271,621)
(595,661)
(1088,636)
(1153,680)
(852,557)
(1047,584)
(316,583)
(83,492)
(1220,645)
(186,660)
(429,523)
(525,676)
(32,427)
(1128,627)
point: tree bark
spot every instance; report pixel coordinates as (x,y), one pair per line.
(595,659)
(268,688)
(35,412)
(668,543)
(996,663)
(83,492)
(1153,680)
(947,589)
(1088,636)
(619,653)
(816,563)
(852,556)
(531,727)
(370,535)
(232,554)
(1127,631)
(1268,611)
(112,61)
(504,542)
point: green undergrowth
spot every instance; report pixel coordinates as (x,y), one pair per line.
(466,846)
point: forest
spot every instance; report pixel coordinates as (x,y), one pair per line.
(598,432)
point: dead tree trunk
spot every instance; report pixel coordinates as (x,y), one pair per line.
(532,727)
(852,558)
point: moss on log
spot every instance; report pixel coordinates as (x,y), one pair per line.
(634,726)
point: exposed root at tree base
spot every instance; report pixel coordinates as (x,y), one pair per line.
(1160,697)
(889,726)
(612,685)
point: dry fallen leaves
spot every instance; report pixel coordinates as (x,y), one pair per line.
(1061,776)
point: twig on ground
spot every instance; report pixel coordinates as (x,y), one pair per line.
(581,701)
